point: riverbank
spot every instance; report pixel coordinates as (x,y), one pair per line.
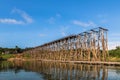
(114,59)
(21,59)
(108,63)
(4,57)
(87,62)
(18,57)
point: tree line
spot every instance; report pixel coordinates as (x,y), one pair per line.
(15,50)
(115,52)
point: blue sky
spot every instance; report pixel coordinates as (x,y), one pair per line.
(29,23)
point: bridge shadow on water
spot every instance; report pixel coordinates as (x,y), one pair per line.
(60,71)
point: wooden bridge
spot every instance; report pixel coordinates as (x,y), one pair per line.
(90,45)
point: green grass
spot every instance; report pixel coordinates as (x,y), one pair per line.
(114,59)
(7,56)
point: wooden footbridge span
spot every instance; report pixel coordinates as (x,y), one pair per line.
(90,45)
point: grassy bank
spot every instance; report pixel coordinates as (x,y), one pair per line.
(14,56)
(6,56)
(114,59)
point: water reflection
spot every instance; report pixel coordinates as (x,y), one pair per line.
(60,71)
(63,71)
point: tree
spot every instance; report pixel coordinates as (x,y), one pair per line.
(117,47)
(115,52)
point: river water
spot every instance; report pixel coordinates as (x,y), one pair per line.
(37,70)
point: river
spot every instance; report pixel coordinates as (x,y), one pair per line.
(38,70)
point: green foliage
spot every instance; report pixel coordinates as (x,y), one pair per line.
(115,53)
(11,50)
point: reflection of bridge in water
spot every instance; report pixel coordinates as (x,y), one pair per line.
(90,45)
(63,71)
(57,71)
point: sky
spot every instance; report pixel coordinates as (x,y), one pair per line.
(30,23)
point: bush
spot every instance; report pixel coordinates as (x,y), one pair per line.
(115,53)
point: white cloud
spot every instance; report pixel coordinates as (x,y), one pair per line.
(84,24)
(113,44)
(51,20)
(58,15)
(63,30)
(24,15)
(115,35)
(63,33)
(102,18)
(104,21)
(102,15)
(11,21)
(42,35)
